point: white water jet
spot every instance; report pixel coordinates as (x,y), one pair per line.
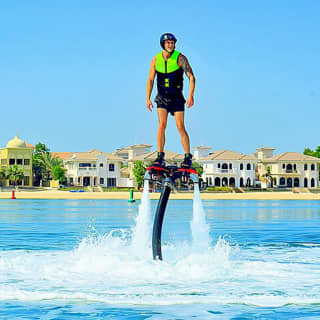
(199,227)
(141,241)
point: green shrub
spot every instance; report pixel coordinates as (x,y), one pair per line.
(219,189)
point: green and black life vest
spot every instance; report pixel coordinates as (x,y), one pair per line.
(169,75)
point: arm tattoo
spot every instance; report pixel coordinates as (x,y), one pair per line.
(184,63)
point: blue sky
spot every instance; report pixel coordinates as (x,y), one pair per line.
(73,73)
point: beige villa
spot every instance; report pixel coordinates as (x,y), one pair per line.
(288,169)
(226,167)
(18,152)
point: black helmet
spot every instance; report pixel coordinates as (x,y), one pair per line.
(167,36)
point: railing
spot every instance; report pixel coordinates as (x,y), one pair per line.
(215,170)
(87,168)
(289,171)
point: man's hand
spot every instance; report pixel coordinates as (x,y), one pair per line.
(149,105)
(190,102)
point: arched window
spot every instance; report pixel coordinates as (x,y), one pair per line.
(289,167)
(312,167)
(305,167)
(248,166)
(296,182)
(241,182)
(295,167)
(305,183)
(230,166)
(289,182)
(282,181)
(219,165)
(312,183)
(248,184)
(224,182)
(217,182)
(210,181)
(225,166)
(232,182)
(241,166)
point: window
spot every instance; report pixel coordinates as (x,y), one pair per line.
(283,166)
(241,166)
(3,161)
(111,166)
(312,167)
(230,166)
(225,166)
(218,165)
(312,182)
(83,165)
(248,166)
(19,161)
(112,182)
(71,179)
(305,167)
(26,181)
(101,164)
(26,162)
(294,167)
(101,180)
(12,161)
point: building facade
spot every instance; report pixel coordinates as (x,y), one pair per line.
(93,168)
(288,169)
(18,152)
(226,168)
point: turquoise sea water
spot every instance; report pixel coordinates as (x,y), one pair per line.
(70,259)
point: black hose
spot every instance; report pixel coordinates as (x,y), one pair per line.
(158,220)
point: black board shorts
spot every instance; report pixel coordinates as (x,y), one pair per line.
(171,104)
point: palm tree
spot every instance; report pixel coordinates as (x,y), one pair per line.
(268,176)
(15,174)
(2,175)
(48,163)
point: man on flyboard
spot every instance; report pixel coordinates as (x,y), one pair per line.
(169,65)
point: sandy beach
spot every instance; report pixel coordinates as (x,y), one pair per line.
(179,196)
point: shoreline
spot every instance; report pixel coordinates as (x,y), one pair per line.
(66,195)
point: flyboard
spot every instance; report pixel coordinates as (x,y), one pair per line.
(166,177)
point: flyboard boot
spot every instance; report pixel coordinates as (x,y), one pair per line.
(186,168)
(157,170)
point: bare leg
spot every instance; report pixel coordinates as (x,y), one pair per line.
(179,117)
(161,139)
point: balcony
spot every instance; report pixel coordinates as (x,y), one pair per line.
(87,171)
(220,171)
(292,171)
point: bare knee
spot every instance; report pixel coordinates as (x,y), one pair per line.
(162,126)
(181,129)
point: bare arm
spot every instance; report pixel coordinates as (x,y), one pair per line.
(150,81)
(184,63)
